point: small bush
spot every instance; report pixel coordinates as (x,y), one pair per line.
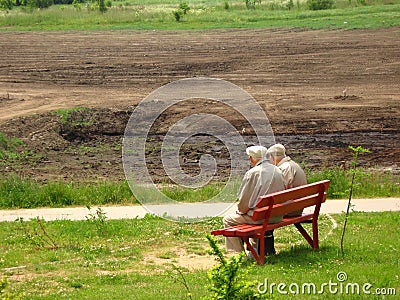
(63,1)
(6,4)
(226,5)
(320,4)
(6,295)
(184,7)
(251,4)
(77,5)
(40,3)
(182,10)
(227,278)
(102,6)
(178,15)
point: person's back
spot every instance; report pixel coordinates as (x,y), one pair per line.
(293,174)
(263,178)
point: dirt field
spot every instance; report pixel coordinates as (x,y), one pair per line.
(321,90)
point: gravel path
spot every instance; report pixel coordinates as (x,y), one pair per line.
(137,211)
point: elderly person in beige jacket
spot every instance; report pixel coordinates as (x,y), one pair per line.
(293,174)
(263,178)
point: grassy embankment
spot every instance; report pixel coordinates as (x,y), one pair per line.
(209,14)
(16,192)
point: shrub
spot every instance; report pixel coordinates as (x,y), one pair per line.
(182,10)
(320,4)
(63,1)
(6,4)
(77,5)
(226,5)
(102,6)
(40,3)
(251,4)
(7,295)
(184,7)
(227,277)
(177,14)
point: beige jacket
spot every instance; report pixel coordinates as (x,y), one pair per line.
(262,179)
(294,176)
(292,173)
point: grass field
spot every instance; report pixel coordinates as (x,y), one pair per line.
(135,259)
(204,15)
(17,192)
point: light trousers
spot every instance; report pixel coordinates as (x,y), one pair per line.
(235,244)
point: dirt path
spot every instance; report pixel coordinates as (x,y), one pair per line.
(322,90)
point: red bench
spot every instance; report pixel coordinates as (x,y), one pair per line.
(281,204)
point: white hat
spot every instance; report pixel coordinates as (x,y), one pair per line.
(256,151)
(276,150)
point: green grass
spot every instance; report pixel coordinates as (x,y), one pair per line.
(204,15)
(17,192)
(368,183)
(132,259)
(65,113)
(8,147)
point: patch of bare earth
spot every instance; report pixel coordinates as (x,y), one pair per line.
(321,90)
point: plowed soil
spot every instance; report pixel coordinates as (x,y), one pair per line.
(322,91)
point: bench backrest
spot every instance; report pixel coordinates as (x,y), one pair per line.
(286,201)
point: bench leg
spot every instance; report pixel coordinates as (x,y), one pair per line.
(315,234)
(312,241)
(259,258)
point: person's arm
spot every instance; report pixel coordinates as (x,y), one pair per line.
(244,194)
(243,208)
(288,174)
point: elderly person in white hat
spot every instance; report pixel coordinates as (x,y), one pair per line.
(263,178)
(293,174)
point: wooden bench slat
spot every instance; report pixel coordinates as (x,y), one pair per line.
(239,230)
(282,209)
(289,221)
(295,193)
